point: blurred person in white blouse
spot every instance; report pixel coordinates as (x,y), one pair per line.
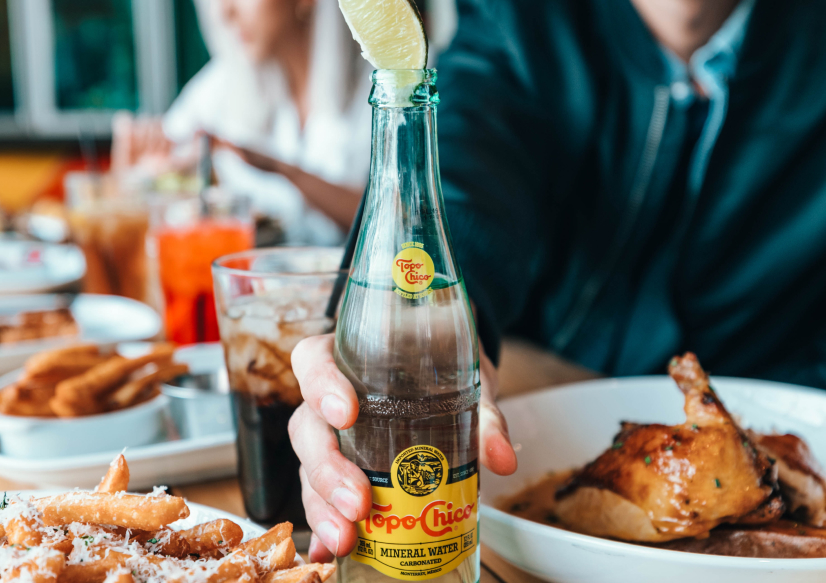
(286,89)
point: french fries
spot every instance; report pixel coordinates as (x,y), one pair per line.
(281,556)
(44,362)
(27,399)
(79,381)
(122,575)
(116,478)
(129,393)
(108,536)
(22,531)
(297,574)
(41,566)
(268,540)
(127,510)
(208,538)
(165,541)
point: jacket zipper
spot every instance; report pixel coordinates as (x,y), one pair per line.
(592,288)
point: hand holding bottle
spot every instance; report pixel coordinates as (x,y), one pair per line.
(336,492)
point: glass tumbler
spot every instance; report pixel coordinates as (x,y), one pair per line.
(269,300)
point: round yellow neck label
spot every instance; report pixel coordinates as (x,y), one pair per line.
(413,270)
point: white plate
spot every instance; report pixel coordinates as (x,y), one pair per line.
(28,267)
(182,461)
(566,427)
(103,319)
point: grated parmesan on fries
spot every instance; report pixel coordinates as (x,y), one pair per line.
(36,546)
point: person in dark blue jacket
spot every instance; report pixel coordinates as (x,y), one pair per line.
(619,194)
(624,180)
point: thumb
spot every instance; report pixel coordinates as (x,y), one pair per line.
(496,453)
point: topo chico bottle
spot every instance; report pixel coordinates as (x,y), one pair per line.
(406,340)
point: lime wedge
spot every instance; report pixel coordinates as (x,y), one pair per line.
(390,32)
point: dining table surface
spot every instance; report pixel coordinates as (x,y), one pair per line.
(523,367)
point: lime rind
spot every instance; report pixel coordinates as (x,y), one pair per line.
(390,32)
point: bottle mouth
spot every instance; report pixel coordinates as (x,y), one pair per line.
(404,88)
(404,76)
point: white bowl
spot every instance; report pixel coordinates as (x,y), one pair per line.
(103,319)
(565,427)
(41,437)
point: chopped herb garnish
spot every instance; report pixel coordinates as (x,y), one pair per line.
(617,445)
(220,542)
(745,443)
(716,482)
(152,541)
(4,503)
(668,448)
(679,443)
(694,426)
(647,459)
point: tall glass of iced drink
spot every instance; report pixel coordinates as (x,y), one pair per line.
(267,302)
(187,235)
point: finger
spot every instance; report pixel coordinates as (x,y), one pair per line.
(324,388)
(337,480)
(335,532)
(318,552)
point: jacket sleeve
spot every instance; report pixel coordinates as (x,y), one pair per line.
(491,150)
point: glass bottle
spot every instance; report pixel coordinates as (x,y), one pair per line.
(407,341)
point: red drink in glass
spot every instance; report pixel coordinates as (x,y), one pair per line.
(189,236)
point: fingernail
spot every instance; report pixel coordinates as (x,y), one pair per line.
(328,533)
(345,502)
(334,410)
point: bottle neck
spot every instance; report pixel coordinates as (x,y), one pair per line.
(404,155)
(404,199)
(404,163)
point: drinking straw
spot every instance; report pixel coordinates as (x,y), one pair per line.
(204,170)
(346,260)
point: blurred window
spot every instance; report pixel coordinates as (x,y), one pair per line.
(7,102)
(191,51)
(94,54)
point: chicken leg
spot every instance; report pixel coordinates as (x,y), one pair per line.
(659,483)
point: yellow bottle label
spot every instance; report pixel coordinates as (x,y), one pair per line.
(413,271)
(423,523)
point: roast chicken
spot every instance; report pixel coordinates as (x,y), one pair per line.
(801,478)
(659,483)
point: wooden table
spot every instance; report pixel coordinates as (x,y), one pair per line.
(523,368)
